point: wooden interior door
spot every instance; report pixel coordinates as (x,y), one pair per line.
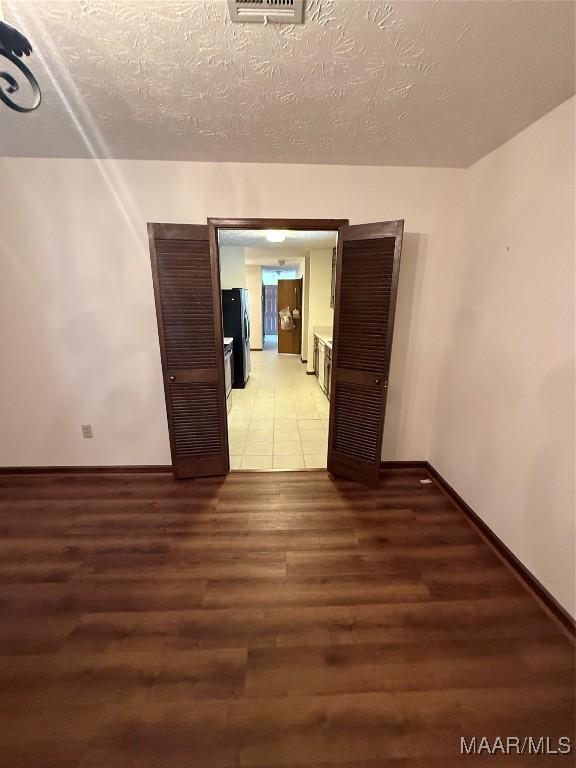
(290,295)
(367,269)
(189,313)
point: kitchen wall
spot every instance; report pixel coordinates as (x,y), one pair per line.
(232,266)
(503,428)
(254,286)
(270,276)
(320,313)
(77,323)
(304,273)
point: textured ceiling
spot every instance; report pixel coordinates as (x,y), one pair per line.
(295,240)
(361,82)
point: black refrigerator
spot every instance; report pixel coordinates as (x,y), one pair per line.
(236,323)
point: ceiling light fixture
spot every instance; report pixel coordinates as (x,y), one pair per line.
(14,45)
(275,236)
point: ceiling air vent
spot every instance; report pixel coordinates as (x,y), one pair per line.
(267,11)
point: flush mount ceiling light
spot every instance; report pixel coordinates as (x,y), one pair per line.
(14,45)
(275,236)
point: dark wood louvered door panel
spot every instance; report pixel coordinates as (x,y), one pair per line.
(188,309)
(367,271)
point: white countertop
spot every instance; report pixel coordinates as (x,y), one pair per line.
(324,336)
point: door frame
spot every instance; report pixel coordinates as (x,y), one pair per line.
(214,224)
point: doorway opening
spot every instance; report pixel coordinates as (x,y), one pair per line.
(197,357)
(278,415)
(277,280)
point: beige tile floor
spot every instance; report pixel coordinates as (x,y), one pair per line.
(280,420)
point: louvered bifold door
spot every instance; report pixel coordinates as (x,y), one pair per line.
(368,264)
(188,308)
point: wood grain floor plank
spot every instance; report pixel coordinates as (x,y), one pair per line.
(511,618)
(209,565)
(332,590)
(362,668)
(65,680)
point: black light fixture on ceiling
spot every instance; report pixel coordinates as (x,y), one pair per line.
(14,45)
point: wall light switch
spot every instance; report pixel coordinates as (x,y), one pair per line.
(87,430)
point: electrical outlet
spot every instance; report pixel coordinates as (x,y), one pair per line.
(87,430)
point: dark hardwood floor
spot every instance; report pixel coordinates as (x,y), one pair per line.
(273,620)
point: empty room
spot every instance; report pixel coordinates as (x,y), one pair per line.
(287,331)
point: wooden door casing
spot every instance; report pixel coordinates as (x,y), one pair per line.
(290,295)
(367,270)
(188,309)
(333,279)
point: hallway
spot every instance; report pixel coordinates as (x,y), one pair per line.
(280,420)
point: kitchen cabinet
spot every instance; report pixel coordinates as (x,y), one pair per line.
(327,370)
(323,361)
(228,370)
(321,356)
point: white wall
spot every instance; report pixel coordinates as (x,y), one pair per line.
(232,267)
(271,277)
(304,273)
(503,429)
(320,313)
(78,330)
(254,285)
